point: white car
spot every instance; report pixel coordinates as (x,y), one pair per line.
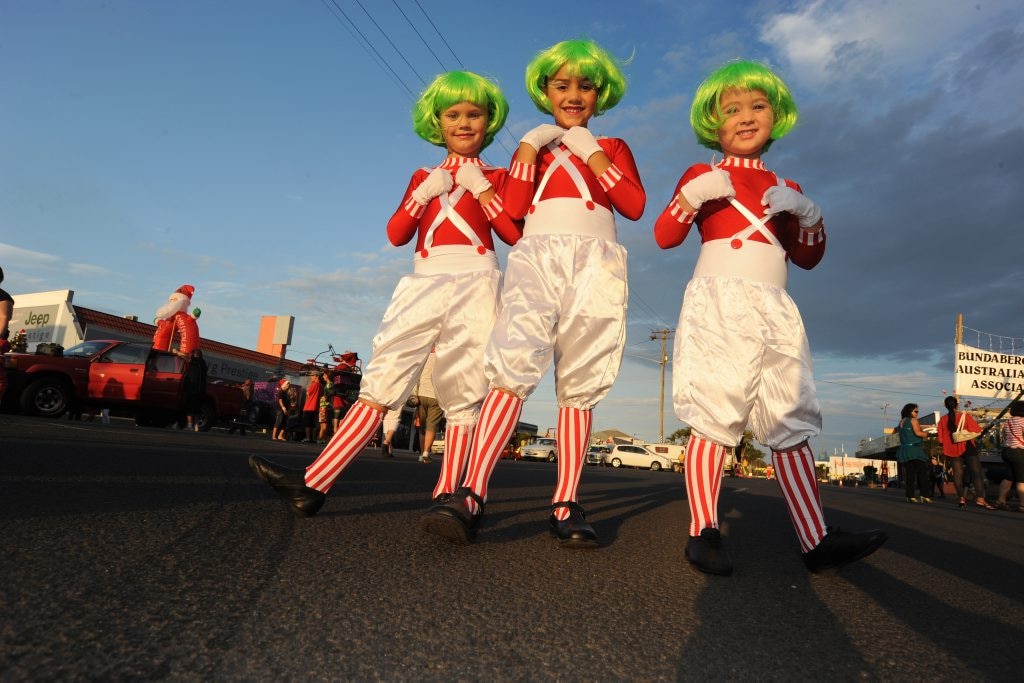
(540,449)
(637,456)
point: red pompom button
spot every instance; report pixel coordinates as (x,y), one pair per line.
(423,253)
(590,205)
(533,208)
(481,250)
(736,244)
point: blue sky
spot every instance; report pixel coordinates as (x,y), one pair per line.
(257,149)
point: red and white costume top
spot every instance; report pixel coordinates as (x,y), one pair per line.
(738,240)
(563,175)
(453,233)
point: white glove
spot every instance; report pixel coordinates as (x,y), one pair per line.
(542,135)
(580,142)
(715,184)
(781,199)
(472,178)
(439,180)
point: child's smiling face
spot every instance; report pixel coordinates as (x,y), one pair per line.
(573,99)
(747,124)
(464,126)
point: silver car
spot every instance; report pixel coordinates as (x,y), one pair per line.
(541,449)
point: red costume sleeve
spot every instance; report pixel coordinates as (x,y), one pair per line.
(626,192)
(507,229)
(672,226)
(406,218)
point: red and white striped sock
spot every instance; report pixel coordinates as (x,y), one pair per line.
(457,440)
(704,462)
(573,439)
(354,432)
(499,416)
(799,483)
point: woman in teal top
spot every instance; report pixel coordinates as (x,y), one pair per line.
(912,456)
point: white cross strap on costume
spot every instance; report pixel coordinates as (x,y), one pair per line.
(448,202)
(563,160)
(743,258)
(563,215)
(453,258)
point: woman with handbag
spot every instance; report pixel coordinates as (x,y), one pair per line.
(912,456)
(955,435)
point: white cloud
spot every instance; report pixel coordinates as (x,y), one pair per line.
(831,41)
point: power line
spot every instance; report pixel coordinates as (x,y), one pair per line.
(366,44)
(422,39)
(439,35)
(393,46)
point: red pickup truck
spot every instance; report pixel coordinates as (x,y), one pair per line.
(129,378)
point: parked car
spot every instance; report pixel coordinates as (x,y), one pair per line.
(595,454)
(127,378)
(637,456)
(542,448)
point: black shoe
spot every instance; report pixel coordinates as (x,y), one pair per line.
(290,484)
(574,531)
(843,547)
(385,450)
(705,552)
(452,520)
(443,498)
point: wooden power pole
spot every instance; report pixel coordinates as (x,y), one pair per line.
(663,335)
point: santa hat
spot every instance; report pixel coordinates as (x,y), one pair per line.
(187,290)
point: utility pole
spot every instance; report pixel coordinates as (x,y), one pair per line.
(663,335)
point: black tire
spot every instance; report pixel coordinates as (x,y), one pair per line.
(655,466)
(47,397)
(207,416)
(616,462)
(552,457)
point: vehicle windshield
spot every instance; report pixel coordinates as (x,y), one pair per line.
(86,349)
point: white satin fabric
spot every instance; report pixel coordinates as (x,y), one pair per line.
(741,357)
(565,299)
(454,314)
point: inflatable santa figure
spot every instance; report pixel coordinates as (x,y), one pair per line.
(173,318)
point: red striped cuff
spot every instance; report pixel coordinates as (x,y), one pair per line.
(610,178)
(414,209)
(525,172)
(811,239)
(681,216)
(493,208)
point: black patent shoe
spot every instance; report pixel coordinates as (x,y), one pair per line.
(705,552)
(574,531)
(453,521)
(290,484)
(443,498)
(843,547)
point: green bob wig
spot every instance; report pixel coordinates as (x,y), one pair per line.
(706,115)
(455,87)
(582,58)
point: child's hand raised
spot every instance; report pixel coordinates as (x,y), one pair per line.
(439,180)
(472,178)
(542,135)
(581,142)
(715,184)
(781,199)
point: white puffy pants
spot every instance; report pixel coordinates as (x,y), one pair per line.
(741,358)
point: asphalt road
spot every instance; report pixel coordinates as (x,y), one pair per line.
(150,554)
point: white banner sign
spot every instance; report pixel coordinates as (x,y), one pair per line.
(987,374)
